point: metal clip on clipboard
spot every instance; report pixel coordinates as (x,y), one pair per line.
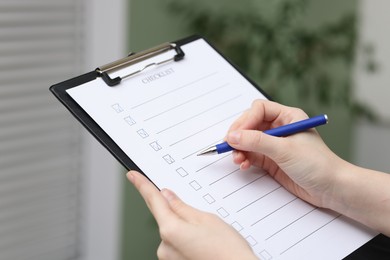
(104,70)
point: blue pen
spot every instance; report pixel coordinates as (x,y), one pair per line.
(284,130)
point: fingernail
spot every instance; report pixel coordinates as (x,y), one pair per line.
(131,177)
(234,137)
(241,166)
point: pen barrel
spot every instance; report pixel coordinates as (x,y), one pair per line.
(284,130)
(298,126)
(223,148)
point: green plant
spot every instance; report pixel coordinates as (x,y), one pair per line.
(294,63)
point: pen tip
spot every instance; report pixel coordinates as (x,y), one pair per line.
(208,151)
(202,153)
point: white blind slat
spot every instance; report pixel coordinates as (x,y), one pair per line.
(40,155)
(52,74)
(56,165)
(35,46)
(42,60)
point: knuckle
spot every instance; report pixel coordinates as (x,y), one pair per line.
(297,112)
(179,207)
(176,205)
(167,231)
(256,105)
(257,102)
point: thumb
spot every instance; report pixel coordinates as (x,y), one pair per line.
(258,142)
(183,210)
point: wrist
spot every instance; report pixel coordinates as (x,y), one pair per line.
(363,195)
(350,195)
(342,178)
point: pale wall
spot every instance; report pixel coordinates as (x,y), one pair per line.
(372,141)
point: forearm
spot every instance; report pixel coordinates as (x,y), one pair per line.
(363,195)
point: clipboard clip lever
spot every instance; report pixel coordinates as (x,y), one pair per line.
(134,58)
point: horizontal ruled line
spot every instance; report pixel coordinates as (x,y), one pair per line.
(186,102)
(204,129)
(258,199)
(208,165)
(280,230)
(249,183)
(311,233)
(223,177)
(202,149)
(174,90)
(201,113)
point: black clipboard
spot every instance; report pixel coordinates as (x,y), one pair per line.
(59,90)
(377,247)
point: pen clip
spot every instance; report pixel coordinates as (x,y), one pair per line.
(134,58)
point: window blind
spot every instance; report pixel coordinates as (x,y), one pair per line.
(40,164)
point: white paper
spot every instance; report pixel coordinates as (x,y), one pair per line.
(163,117)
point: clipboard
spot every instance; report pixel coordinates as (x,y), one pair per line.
(103,72)
(162,67)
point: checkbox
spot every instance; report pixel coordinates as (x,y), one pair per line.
(169,159)
(251,240)
(129,120)
(142,133)
(156,146)
(195,185)
(117,108)
(265,255)
(222,212)
(182,172)
(237,226)
(209,198)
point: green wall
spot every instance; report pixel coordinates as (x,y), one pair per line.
(150,24)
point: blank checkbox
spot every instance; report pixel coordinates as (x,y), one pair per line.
(251,240)
(222,212)
(209,198)
(237,226)
(182,172)
(195,185)
(265,255)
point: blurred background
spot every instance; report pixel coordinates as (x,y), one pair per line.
(62,196)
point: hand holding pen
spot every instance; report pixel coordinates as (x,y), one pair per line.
(280,131)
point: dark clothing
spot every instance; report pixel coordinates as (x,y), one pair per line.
(377,248)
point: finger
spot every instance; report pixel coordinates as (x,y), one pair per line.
(243,159)
(156,203)
(181,209)
(237,124)
(245,165)
(166,251)
(261,114)
(238,156)
(256,141)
